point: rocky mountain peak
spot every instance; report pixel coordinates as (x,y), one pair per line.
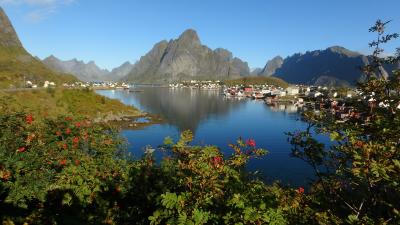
(223,53)
(8,36)
(87,71)
(271,66)
(343,51)
(189,36)
(185,58)
(51,58)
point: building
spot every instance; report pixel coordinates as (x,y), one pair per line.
(292,90)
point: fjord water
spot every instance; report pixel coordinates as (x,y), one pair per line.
(216,120)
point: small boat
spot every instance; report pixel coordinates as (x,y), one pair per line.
(258,96)
(240,94)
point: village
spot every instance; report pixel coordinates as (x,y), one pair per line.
(292,99)
(92,85)
(296,98)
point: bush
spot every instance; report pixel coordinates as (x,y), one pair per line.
(57,162)
(65,169)
(359,174)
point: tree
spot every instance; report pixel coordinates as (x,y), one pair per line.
(358,176)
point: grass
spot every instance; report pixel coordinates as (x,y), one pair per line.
(258,81)
(56,102)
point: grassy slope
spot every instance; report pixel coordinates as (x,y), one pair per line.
(55,102)
(16,63)
(258,81)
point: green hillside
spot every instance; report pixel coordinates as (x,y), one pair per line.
(17,65)
(56,102)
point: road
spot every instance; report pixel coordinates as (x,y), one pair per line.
(21,89)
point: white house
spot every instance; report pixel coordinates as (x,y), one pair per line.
(48,84)
(292,90)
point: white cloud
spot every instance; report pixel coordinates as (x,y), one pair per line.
(38,10)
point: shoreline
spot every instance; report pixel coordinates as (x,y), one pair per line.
(131,122)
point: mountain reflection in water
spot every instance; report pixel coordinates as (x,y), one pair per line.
(185,108)
(216,120)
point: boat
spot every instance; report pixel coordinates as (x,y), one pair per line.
(258,96)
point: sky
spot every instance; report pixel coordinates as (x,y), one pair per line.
(111,32)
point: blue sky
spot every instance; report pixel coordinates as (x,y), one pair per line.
(111,32)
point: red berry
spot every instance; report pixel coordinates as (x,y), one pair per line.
(6,175)
(75,140)
(359,144)
(251,143)
(217,161)
(29,119)
(63,162)
(22,149)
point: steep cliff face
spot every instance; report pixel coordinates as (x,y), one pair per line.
(17,65)
(334,65)
(8,36)
(186,58)
(271,66)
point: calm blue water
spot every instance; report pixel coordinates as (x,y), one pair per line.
(216,120)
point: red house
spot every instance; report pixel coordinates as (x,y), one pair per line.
(248,89)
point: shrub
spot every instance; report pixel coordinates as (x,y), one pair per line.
(358,176)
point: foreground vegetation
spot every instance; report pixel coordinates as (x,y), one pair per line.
(258,81)
(69,170)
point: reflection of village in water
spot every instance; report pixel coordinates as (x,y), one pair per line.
(287,108)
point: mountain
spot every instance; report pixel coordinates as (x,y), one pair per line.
(255,71)
(271,66)
(17,65)
(391,67)
(83,71)
(87,71)
(8,36)
(120,72)
(186,58)
(332,66)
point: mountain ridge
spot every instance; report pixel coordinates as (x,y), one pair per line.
(332,66)
(186,58)
(89,71)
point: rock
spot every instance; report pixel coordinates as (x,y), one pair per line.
(271,66)
(333,66)
(87,71)
(8,36)
(186,58)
